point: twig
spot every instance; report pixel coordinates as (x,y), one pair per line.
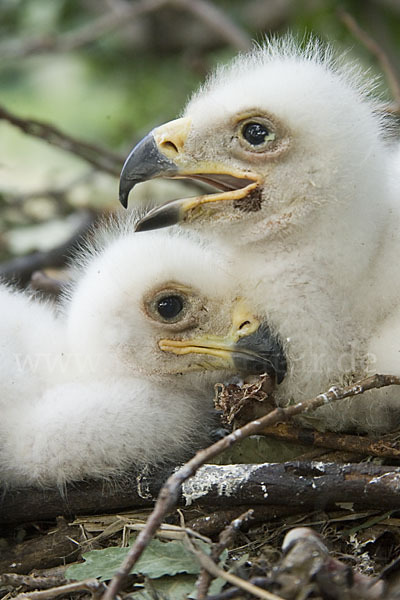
(214,18)
(375,49)
(234,592)
(86,34)
(217,20)
(169,493)
(93,586)
(34,583)
(100,158)
(42,552)
(226,538)
(21,268)
(208,564)
(58,194)
(327,439)
(211,523)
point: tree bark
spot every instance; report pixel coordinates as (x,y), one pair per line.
(307,485)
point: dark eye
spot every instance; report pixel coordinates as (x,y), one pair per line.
(255,133)
(169,307)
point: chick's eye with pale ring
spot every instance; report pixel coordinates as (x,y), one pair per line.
(169,307)
(255,133)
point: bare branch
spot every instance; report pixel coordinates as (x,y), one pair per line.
(375,49)
(169,494)
(58,193)
(93,586)
(46,551)
(226,538)
(20,269)
(235,593)
(218,21)
(87,34)
(31,582)
(208,563)
(273,489)
(365,446)
(205,11)
(100,158)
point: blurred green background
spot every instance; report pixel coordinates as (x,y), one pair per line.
(107,71)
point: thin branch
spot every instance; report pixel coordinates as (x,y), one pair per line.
(100,158)
(234,592)
(20,269)
(226,538)
(375,49)
(205,11)
(16,580)
(335,441)
(59,193)
(169,493)
(218,21)
(208,564)
(93,586)
(86,34)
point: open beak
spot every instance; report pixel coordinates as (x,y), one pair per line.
(249,348)
(162,154)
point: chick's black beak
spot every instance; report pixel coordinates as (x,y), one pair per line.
(144,162)
(260,352)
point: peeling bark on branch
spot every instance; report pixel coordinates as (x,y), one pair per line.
(306,485)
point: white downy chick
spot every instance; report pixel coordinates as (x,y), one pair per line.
(150,325)
(30,334)
(309,207)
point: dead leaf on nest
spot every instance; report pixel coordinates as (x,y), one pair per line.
(243,403)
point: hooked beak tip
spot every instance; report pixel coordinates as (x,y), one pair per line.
(123,198)
(125,186)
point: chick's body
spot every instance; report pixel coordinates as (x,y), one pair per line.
(31,343)
(96,394)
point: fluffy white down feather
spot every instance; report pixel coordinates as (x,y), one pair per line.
(321,249)
(88,393)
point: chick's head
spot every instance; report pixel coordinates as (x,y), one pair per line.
(157,304)
(284,133)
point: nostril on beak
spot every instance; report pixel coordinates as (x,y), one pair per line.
(169,148)
(244,324)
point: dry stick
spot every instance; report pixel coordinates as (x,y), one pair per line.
(86,34)
(376,50)
(102,159)
(16,580)
(233,592)
(226,537)
(89,585)
(20,269)
(169,493)
(208,564)
(213,17)
(327,439)
(106,24)
(59,193)
(217,20)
